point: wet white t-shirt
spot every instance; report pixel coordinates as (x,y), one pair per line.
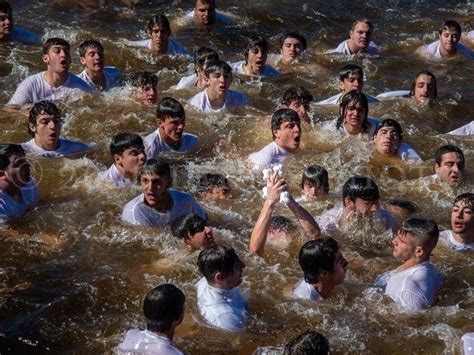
(238,68)
(112,78)
(224,309)
(335,100)
(407,153)
(11,208)
(432,51)
(331,126)
(414,288)
(136,212)
(306,291)
(394,94)
(34,89)
(66,148)
(186,82)
(446,237)
(145,342)
(174,48)
(21,35)
(114,176)
(154,145)
(466,130)
(343,48)
(267,157)
(201,101)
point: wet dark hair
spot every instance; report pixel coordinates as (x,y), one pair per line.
(349,70)
(353,97)
(162,306)
(143,79)
(317,175)
(217,66)
(169,108)
(360,187)
(203,56)
(217,258)
(317,256)
(445,149)
(467,198)
(296,93)
(363,20)
(186,226)
(308,343)
(40,108)
(424,72)
(254,43)
(123,141)
(295,35)
(283,115)
(90,43)
(54,41)
(279,224)
(6,151)
(450,25)
(208,181)
(6,8)
(161,21)
(389,122)
(409,206)
(157,166)
(425,230)
(211,2)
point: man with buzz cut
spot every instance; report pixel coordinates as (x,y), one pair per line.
(53,84)
(414,284)
(359,39)
(461,235)
(11,33)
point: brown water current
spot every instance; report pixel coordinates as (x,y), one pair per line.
(82,287)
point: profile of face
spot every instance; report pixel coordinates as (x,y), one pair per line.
(93,59)
(218,84)
(58,59)
(448,40)
(387,141)
(147,95)
(256,59)
(159,38)
(290,50)
(18,172)
(154,188)
(205,13)
(451,169)
(353,82)
(130,161)
(354,116)
(361,206)
(360,36)
(202,239)
(338,273)
(462,220)
(312,190)
(47,131)
(404,247)
(6,24)
(171,129)
(234,279)
(302,109)
(424,89)
(288,136)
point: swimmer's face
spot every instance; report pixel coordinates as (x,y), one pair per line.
(202,239)
(338,273)
(6,24)
(301,109)
(93,59)
(218,83)
(448,39)
(154,188)
(451,169)
(234,279)
(354,116)
(387,141)
(47,130)
(424,88)
(312,190)
(205,14)
(130,161)
(353,82)
(218,193)
(58,59)
(18,172)
(288,136)
(290,50)
(159,38)
(404,246)
(462,219)
(360,36)
(171,129)
(361,206)
(256,59)
(147,95)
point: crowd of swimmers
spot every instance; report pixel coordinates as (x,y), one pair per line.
(136,161)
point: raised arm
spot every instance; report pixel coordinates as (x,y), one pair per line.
(306,221)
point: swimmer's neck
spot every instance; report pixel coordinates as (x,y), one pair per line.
(324,288)
(200,82)
(464,238)
(445,53)
(167,334)
(97,77)
(352,130)
(354,49)
(164,204)
(216,100)
(251,70)
(130,176)
(173,144)
(162,49)
(413,261)
(45,146)
(55,79)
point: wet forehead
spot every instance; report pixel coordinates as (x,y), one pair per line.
(451,157)
(423,78)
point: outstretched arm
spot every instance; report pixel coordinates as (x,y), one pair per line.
(306,221)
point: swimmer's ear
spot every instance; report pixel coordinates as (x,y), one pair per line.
(117,158)
(32,127)
(83,60)
(419,251)
(341,85)
(45,58)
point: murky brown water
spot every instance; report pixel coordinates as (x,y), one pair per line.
(81,294)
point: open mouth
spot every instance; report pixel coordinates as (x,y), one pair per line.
(298,139)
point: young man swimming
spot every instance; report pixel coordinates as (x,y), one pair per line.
(11,33)
(359,40)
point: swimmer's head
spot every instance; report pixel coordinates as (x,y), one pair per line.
(315,181)
(462,219)
(401,209)
(217,67)
(205,12)
(388,137)
(159,21)
(310,342)
(6,20)
(450,164)
(415,239)
(298,98)
(146,87)
(351,77)
(156,166)
(357,102)
(92,55)
(6,8)
(292,44)
(279,227)
(218,77)
(256,46)
(194,231)
(42,108)
(361,194)
(15,171)
(128,153)
(360,34)
(452,26)
(286,129)
(202,57)
(214,187)
(54,41)
(424,87)
(163,308)
(90,44)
